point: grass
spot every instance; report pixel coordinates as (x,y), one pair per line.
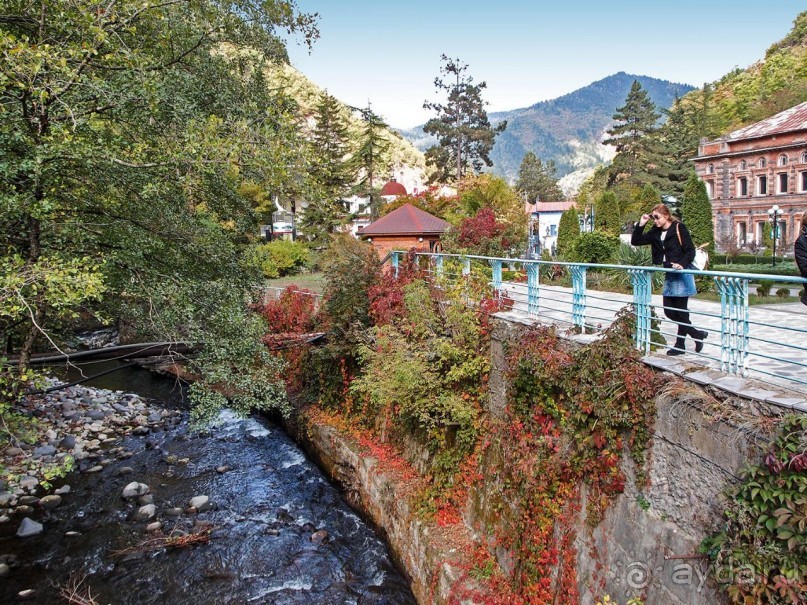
(753,299)
(314,282)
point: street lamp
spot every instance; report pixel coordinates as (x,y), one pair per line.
(774,212)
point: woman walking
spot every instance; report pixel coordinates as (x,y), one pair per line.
(672,247)
(800,252)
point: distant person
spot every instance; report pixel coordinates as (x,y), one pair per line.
(800,251)
(672,247)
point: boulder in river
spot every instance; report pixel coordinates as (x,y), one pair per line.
(134,490)
(29,528)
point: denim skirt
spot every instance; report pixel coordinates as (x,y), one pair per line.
(679,284)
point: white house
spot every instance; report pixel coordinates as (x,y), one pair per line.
(544,222)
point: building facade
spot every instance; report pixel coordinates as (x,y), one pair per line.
(405,228)
(752,170)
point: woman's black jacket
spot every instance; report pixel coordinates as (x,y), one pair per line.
(800,250)
(676,251)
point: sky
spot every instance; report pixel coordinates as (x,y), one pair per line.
(387,54)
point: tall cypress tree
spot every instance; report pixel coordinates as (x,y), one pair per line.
(607,213)
(568,231)
(678,142)
(632,135)
(465,136)
(696,213)
(371,157)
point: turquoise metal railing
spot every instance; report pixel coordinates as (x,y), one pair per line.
(768,345)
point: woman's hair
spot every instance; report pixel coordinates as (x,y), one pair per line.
(663,210)
(804,221)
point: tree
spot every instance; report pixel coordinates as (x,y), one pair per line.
(696,213)
(678,142)
(370,157)
(606,215)
(464,134)
(632,135)
(537,181)
(568,231)
(125,133)
(332,170)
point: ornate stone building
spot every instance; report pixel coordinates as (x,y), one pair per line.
(751,170)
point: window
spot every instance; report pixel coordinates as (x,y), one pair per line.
(553,229)
(742,186)
(710,169)
(742,233)
(804,158)
(710,189)
(783,160)
(782,183)
(762,185)
(803,180)
(762,162)
(743,165)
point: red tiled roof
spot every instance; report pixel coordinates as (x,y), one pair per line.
(552,206)
(406,220)
(788,120)
(393,187)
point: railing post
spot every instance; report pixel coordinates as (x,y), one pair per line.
(642,291)
(394,264)
(579,296)
(734,319)
(497,273)
(466,267)
(438,265)
(533,288)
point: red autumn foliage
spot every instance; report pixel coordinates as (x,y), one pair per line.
(483,227)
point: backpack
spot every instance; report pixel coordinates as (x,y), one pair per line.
(701,256)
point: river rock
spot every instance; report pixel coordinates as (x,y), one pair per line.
(4,570)
(26,594)
(65,489)
(155,526)
(173,512)
(320,536)
(44,450)
(28,483)
(24,509)
(141,430)
(50,502)
(125,470)
(134,490)
(146,499)
(6,498)
(28,500)
(67,443)
(28,528)
(198,502)
(144,513)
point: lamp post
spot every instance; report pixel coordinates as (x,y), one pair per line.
(774,212)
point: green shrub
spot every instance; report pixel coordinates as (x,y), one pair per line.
(594,247)
(783,292)
(281,258)
(764,288)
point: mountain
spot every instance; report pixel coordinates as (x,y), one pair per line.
(567,130)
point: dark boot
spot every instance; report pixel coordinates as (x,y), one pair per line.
(699,336)
(678,347)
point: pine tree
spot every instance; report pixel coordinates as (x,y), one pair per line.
(606,216)
(696,213)
(465,136)
(568,231)
(332,169)
(632,135)
(678,142)
(371,157)
(538,181)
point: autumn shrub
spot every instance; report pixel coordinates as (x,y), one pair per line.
(281,258)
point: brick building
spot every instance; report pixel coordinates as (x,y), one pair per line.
(405,228)
(750,170)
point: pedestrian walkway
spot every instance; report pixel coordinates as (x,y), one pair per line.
(777,350)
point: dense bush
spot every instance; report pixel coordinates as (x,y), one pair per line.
(281,257)
(594,247)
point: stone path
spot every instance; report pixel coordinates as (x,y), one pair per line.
(777,338)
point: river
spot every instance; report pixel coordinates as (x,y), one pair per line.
(269,500)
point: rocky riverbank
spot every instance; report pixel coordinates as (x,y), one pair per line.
(76,428)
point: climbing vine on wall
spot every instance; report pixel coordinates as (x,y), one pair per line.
(760,556)
(572,413)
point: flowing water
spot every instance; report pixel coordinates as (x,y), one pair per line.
(268,504)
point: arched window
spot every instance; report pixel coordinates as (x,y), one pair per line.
(710,169)
(762,163)
(804,158)
(743,165)
(783,160)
